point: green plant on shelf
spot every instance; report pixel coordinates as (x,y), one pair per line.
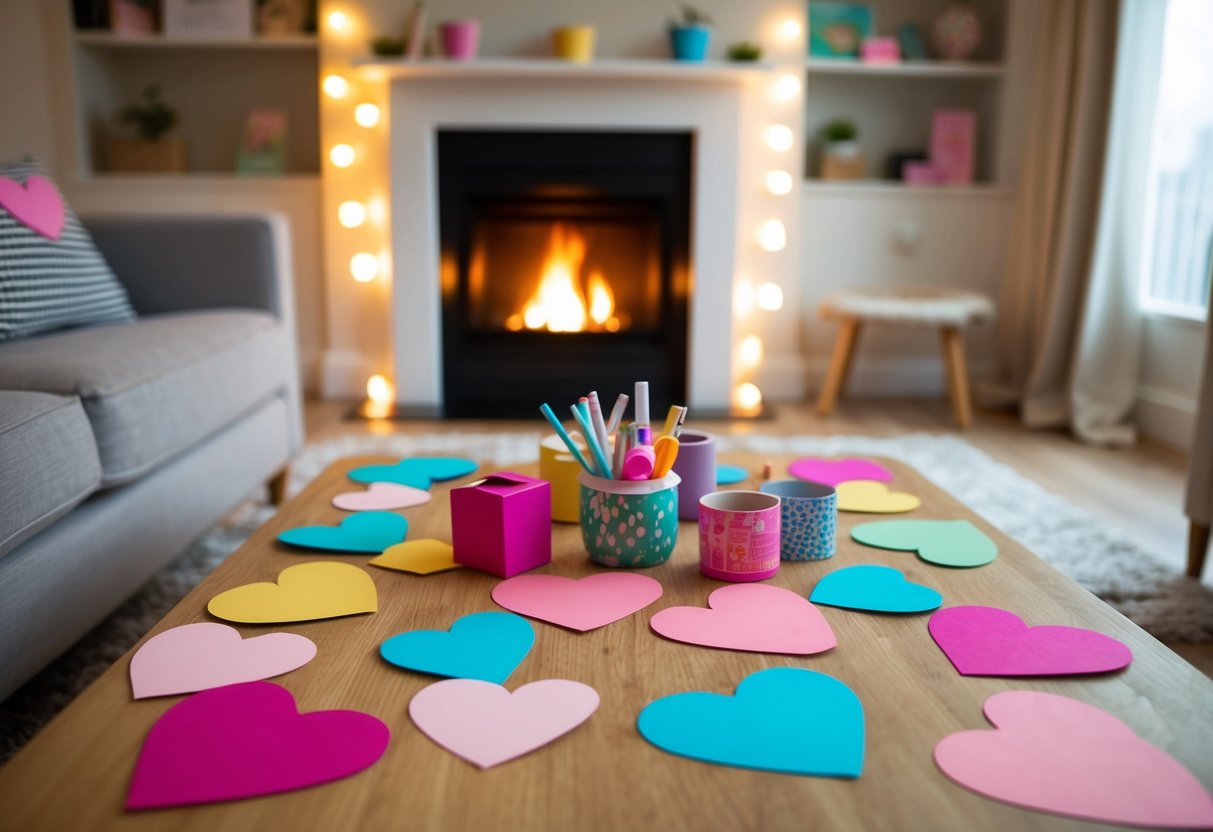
(840,130)
(691,16)
(152,116)
(386,46)
(745,51)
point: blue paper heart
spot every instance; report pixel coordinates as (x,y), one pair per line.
(730,474)
(366,531)
(418,472)
(483,645)
(874,588)
(782,719)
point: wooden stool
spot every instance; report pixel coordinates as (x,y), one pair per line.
(948,310)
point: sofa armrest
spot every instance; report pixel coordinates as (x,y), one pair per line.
(178,263)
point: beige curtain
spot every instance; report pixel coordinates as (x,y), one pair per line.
(1068,327)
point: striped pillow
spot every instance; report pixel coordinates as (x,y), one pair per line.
(49,283)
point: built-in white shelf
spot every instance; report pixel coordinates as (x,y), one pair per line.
(554,68)
(109,40)
(906,69)
(884,189)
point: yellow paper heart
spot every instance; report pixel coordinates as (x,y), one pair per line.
(421,557)
(309,591)
(872,497)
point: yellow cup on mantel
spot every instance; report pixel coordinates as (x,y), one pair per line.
(574,43)
(557,466)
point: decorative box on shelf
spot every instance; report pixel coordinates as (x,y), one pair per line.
(208,18)
(141,156)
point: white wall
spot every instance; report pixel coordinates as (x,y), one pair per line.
(1169,383)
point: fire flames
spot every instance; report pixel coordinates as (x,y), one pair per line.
(559,303)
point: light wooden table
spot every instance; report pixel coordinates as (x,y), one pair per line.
(75,774)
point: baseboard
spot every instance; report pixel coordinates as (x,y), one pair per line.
(1166,416)
(892,377)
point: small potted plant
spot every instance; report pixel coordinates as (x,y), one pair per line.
(690,34)
(744,52)
(152,118)
(841,156)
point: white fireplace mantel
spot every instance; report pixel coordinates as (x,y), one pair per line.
(706,101)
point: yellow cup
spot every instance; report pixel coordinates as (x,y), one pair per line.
(557,466)
(574,43)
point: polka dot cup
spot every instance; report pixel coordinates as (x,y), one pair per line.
(629,523)
(809,519)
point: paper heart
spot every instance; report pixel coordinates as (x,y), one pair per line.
(874,588)
(197,657)
(988,641)
(873,497)
(421,557)
(755,617)
(37,205)
(730,474)
(366,531)
(248,740)
(834,471)
(307,592)
(1056,754)
(781,719)
(418,472)
(945,542)
(382,496)
(487,725)
(586,604)
(484,645)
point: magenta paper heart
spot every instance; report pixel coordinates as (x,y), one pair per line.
(202,656)
(988,641)
(487,725)
(834,471)
(37,205)
(1056,754)
(585,604)
(382,496)
(248,740)
(753,617)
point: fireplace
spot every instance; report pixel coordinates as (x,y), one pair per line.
(565,266)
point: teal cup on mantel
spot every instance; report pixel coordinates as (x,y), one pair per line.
(629,523)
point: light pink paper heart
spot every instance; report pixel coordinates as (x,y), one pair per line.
(201,656)
(586,604)
(36,205)
(754,617)
(834,471)
(487,725)
(382,496)
(1056,754)
(988,641)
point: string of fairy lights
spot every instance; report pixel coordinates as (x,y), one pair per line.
(770,235)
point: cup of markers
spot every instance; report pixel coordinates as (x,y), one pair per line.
(629,523)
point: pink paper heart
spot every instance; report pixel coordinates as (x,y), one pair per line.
(382,496)
(37,205)
(201,656)
(755,617)
(593,601)
(247,740)
(834,471)
(1055,754)
(487,725)
(988,641)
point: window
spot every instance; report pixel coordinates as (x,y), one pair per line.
(1178,226)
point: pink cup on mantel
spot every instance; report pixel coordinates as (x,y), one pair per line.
(460,39)
(739,535)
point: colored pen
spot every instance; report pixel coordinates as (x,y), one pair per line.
(621,404)
(642,403)
(638,464)
(665,451)
(581,412)
(564,435)
(673,419)
(597,422)
(621,448)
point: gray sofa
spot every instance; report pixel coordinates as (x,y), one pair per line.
(120,444)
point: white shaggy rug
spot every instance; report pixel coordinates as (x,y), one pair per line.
(1153,594)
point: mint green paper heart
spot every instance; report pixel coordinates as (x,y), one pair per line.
(945,542)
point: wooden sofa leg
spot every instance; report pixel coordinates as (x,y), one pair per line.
(277,486)
(1198,547)
(840,366)
(958,376)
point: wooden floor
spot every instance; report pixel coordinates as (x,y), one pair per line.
(1137,490)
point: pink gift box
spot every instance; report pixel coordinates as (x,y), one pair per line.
(880,51)
(921,173)
(502,524)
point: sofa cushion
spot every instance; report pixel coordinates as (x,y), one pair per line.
(51,274)
(48,459)
(155,387)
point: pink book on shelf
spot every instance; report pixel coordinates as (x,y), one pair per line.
(953,138)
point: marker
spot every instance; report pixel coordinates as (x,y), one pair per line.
(581,412)
(638,464)
(564,435)
(642,403)
(621,448)
(665,451)
(673,419)
(596,420)
(621,404)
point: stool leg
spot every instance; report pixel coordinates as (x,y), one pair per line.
(840,366)
(958,376)
(1198,547)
